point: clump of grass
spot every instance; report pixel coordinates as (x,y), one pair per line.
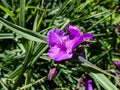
(23,49)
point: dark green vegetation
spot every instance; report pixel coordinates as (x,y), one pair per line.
(23,50)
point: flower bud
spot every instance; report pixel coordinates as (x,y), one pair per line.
(52,73)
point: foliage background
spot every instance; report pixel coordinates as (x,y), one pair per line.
(23,50)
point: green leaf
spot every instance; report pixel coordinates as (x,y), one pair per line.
(22,13)
(89,65)
(6,10)
(101,20)
(96,72)
(26,33)
(116,18)
(5,3)
(60,10)
(103,81)
(6,36)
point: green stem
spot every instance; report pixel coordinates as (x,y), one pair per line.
(89,64)
(31,84)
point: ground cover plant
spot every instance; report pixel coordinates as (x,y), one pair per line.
(59,45)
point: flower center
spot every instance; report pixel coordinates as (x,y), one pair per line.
(63,42)
(62,45)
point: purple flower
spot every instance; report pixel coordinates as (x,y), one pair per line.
(84,83)
(88,85)
(116,63)
(61,44)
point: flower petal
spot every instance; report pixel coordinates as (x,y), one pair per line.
(88,85)
(87,36)
(117,63)
(74,36)
(57,54)
(71,44)
(73,31)
(54,37)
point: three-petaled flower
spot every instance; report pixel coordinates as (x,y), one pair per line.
(61,44)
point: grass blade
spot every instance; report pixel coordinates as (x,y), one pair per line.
(6,11)
(98,74)
(103,81)
(6,36)
(60,10)
(22,13)
(26,33)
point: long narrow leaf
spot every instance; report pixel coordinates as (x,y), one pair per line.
(22,13)
(101,20)
(86,63)
(26,33)
(60,10)
(103,81)
(99,75)
(6,10)
(6,36)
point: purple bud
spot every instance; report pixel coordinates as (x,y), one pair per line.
(52,73)
(117,8)
(116,63)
